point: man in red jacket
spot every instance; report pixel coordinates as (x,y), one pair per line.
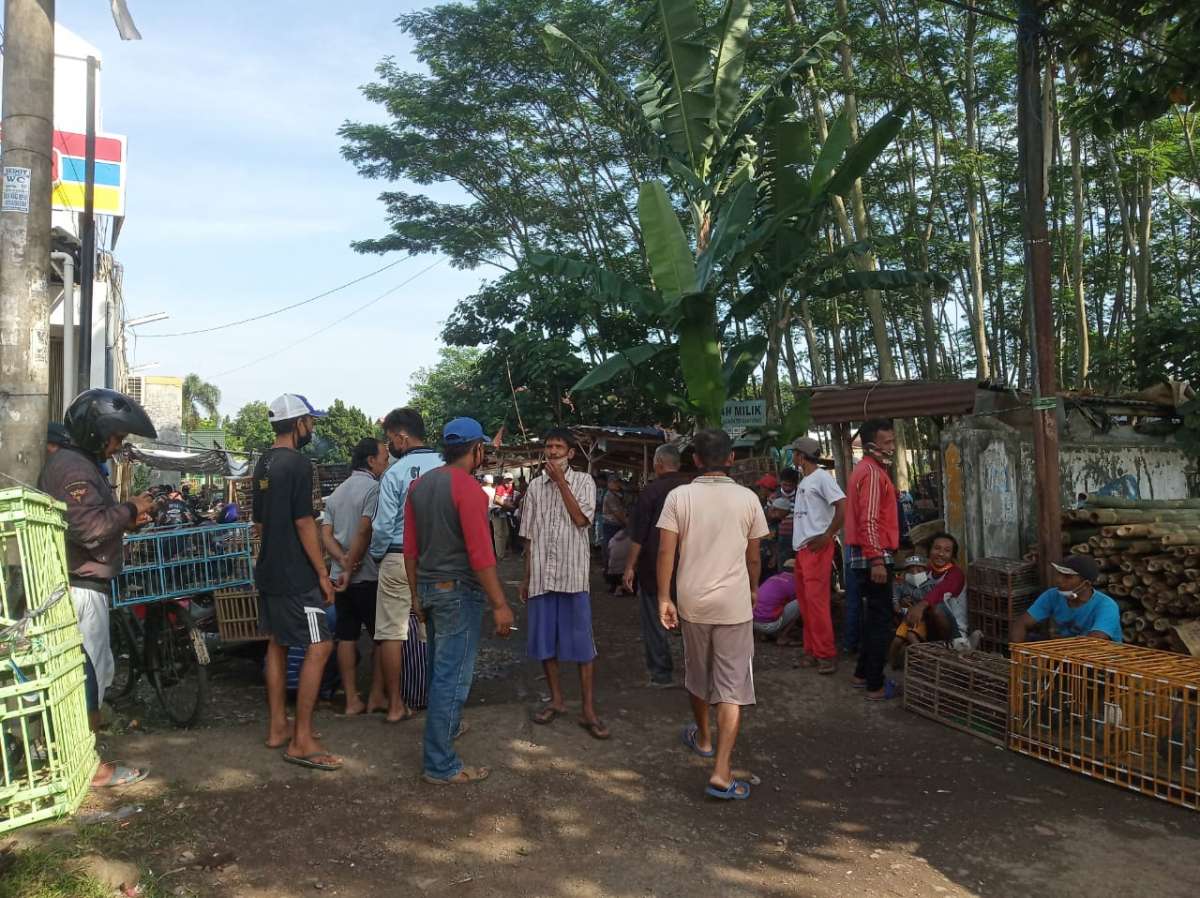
(873,535)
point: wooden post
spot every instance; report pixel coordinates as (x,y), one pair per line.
(1031,150)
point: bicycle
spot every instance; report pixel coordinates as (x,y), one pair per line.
(162,644)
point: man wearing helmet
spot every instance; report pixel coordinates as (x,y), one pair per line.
(98,423)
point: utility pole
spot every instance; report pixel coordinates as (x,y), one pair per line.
(28,100)
(1031,149)
(87,232)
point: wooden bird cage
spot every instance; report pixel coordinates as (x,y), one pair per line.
(1123,714)
(967,691)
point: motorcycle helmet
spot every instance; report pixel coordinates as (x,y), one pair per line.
(95,415)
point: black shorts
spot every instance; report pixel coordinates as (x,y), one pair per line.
(294,619)
(356,609)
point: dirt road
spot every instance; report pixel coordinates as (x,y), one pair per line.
(854,799)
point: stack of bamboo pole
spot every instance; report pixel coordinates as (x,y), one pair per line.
(1149,556)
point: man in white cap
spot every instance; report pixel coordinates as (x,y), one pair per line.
(1077,607)
(292,583)
(820,512)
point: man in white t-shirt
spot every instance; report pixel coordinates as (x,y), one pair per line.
(716,524)
(820,511)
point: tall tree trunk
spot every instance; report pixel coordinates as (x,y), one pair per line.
(1146,189)
(974,252)
(1081,318)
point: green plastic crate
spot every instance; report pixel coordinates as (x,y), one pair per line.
(47,750)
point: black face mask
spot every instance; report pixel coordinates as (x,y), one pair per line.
(396,453)
(302,441)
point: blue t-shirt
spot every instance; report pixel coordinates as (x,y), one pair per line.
(1099,613)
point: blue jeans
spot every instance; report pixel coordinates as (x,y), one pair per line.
(453,620)
(852,626)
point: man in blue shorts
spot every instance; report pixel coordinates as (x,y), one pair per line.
(1078,608)
(555,517)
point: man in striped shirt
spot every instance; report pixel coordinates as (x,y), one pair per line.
(873,535)
(555,517)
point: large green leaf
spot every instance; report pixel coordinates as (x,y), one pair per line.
(618,363)
(733,218)
(832,151)
(670,257)
(863,154)
(678,92)
(853,281)
(700,362)
(740,361)
(733,36)
(799,416)
(609,285)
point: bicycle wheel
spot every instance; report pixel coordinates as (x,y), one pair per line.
(125,635)
(179,660)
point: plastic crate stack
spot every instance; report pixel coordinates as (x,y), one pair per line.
(47,751)
(168,564)
(1120,713)
(999,590)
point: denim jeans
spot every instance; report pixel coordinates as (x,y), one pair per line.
(453,620)
(852,625)
(654,638)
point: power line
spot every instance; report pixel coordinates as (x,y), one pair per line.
(334,323)
(295,305)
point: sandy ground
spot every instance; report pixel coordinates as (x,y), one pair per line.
(854,799)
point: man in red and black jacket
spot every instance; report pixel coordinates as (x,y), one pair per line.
(450,563)
(873,535)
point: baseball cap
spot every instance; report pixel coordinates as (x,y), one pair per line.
(489,479)
(291,405)
(461,431)
(768,482)
(1080,565)
(807,446)
(913,561)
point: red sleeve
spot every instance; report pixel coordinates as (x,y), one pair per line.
(871,494)
(412,539)
(472,505)
(947,588)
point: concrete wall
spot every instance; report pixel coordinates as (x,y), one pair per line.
(988,484)
(162,397)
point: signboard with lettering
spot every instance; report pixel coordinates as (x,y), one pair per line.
(738,414)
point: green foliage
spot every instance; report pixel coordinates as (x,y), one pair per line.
(337,434)
(200,400)
(249,430)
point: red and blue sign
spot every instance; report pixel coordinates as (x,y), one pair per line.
(69,166)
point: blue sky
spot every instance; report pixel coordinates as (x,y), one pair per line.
(239,201)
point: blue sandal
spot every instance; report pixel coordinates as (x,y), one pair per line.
(738,790)
(689,739)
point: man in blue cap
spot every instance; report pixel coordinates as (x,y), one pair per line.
(293,585)
(451,567)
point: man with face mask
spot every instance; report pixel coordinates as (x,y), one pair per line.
(1077,607)
(450,563)
(405,429)
(292,584)
(873,535)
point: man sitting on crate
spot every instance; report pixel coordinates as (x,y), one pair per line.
(1077,608)
(98,423)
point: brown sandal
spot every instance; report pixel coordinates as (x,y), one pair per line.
(467,774)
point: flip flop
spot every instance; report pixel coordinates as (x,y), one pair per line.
(596,729)
(469,774)
(311,762)
(737,790)
(122,776)
(547,715)
(689,739)
(408,714)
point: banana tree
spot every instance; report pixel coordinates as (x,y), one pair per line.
(753,188)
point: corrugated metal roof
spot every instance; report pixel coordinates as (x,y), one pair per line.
(893,399)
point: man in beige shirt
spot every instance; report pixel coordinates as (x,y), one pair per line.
(716,524)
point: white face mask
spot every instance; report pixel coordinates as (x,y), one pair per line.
(916,579)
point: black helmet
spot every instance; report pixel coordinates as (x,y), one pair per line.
(97,414)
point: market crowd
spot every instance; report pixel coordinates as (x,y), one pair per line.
(406,549)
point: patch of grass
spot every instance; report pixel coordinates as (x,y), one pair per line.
(46,873)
